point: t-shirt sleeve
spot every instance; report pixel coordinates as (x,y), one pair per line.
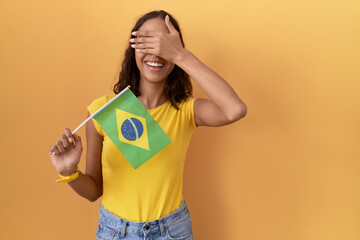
(188,108)
(93,107)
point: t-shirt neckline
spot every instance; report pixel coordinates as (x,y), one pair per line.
(161,105)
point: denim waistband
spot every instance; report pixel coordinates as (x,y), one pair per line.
(124,225)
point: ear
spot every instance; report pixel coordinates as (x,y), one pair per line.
(169,25)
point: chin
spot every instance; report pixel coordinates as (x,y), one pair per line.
(157,75)
(154,79)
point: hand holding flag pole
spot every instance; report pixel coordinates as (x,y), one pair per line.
(100,109)
(65,154)
(128,125)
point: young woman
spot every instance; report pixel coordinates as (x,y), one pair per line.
(147,203)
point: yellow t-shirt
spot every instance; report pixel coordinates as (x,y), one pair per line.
(155,188)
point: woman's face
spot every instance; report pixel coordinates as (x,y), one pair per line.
(153,68)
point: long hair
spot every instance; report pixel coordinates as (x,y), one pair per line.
(178,85)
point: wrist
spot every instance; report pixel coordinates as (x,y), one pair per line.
(69,171)
(182,56)
(69,178)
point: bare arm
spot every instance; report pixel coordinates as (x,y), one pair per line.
(224,106)
(67,156)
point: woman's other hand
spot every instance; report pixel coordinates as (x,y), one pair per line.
(165,45)
(65,154)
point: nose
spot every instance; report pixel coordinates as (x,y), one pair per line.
(156,58)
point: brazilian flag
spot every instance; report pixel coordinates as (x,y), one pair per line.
(132,129)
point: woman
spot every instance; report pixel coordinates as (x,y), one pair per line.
(147,203)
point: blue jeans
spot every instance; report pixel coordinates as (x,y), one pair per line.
(176,225)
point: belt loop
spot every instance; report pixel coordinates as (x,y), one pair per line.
(162,228)
(123,229)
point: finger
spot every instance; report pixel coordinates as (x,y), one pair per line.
(59,146)
(169,25)
(65,141)
(147,51)
(146,33)
(68,135)
(53,150)
(143,46)
(77,139)
(143,39)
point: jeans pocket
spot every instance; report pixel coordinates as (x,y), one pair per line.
(180,230)
(104,232)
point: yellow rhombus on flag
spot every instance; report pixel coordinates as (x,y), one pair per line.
(132,129)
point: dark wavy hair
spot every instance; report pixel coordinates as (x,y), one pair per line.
(178,85)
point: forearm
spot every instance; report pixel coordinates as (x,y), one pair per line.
(86,187)
(215,87)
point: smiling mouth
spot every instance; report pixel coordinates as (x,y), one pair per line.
(154,66)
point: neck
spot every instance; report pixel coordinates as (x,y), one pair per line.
(152,94)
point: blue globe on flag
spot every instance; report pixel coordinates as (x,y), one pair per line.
(132,129)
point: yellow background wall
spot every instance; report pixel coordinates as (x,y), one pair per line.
(288,170)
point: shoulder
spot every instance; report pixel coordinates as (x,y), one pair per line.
(95,105)
(187,103)
(99,102)
(187,107)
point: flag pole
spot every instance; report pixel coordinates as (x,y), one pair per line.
(100,109)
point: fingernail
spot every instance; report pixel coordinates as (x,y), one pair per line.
(132,40)
(133,45)
(53,153)
(70,139)
(133,33)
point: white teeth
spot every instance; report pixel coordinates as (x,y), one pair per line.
(154,64)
